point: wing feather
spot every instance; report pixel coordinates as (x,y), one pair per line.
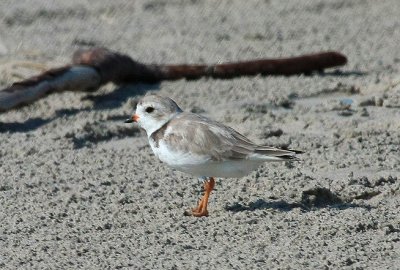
(205,137)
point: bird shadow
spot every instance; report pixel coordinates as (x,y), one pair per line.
(311,199)
(284,206)
(261,204)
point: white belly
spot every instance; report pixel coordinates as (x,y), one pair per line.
(222,169)
(202,165)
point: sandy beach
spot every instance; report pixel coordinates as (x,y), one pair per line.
(79,189)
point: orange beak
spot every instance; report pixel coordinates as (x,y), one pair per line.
(134,118)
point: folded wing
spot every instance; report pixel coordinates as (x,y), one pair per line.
(205,137)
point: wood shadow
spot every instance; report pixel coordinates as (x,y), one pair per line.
(120,95)
(340,73)
(26,126)
(111,100)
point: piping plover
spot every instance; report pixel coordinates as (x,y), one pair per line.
(199,146)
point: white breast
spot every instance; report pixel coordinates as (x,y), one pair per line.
(173,158)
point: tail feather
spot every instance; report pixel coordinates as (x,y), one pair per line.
(270,151)
(288,157)
(296,151)
(277,154)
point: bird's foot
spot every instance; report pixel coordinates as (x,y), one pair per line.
(201,209)
(197,213)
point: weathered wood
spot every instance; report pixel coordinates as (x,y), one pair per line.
(118,68)
(94,67)
(77,78)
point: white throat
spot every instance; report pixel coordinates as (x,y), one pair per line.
(151,125)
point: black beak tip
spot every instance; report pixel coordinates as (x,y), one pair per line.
(127,121)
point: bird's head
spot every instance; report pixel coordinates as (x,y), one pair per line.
(153,111)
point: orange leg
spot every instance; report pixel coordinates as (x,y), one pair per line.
(201,210)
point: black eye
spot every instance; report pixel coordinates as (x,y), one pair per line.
(149,109)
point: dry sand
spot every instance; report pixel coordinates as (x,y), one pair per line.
(80,189)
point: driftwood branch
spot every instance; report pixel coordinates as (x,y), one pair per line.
(94,67)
